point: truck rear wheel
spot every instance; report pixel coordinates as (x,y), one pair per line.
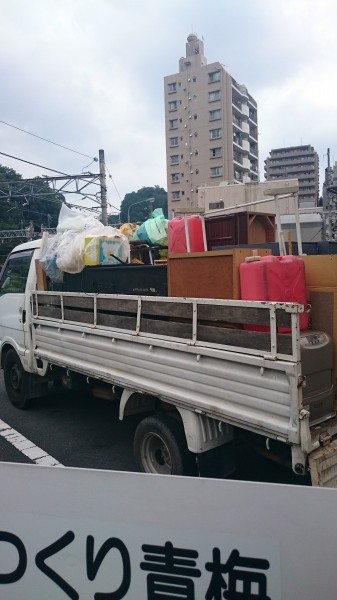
(15,376)
(160,447)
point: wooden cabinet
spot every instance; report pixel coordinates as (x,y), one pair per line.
(239,228)
(207,274)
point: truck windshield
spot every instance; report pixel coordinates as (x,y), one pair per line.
(15,272)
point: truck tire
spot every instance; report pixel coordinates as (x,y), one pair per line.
(15,380)
(160,447)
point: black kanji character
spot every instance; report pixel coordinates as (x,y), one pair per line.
(171,569)
(252,585)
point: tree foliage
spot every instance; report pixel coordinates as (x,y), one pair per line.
(137,206)
(23,203)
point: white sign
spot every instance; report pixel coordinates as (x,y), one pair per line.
(84,534)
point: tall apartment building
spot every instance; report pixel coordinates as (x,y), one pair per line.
(211,128)
(299,162)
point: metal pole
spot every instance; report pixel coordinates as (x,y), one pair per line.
(298,227)
(279,227)
(102,179)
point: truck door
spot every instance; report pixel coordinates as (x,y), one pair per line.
(12,297)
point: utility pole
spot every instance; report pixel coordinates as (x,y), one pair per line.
(102,179)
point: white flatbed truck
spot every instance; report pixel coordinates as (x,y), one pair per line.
(200,379)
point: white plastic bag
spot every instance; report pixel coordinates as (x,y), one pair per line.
(73,220)
(48,253)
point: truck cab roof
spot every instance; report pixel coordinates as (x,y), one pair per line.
(27,246)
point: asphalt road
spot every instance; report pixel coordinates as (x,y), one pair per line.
(77,430)
(81,431)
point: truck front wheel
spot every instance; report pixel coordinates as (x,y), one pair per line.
(160,447)
(14,376)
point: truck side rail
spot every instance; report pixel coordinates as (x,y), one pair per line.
(235,325)
(191,353)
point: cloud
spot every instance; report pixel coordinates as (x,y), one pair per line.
(88,74)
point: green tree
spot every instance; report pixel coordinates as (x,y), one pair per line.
(24,202)
(137,206)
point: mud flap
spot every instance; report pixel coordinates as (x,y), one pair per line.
(323,466)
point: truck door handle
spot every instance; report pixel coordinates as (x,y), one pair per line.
(23,316)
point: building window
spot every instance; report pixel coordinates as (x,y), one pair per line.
(175,177)
(172,87)
(216,171)
(195,116)
(216,205)
(215,152)
(214,115)
(195,134)
(173,123)
(174,159)
(215,134)
(212,96)
(174,141)
(175,196)
(173,105)
(214,76)
(194,79)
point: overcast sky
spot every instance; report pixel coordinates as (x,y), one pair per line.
(88,74)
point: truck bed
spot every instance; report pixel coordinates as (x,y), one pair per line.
(192,353)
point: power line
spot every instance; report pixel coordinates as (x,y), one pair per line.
(110,177)
(83,176)
(49,141)
(34,164)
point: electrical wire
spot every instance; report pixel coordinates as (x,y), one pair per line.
(34,164)
(110,177)
(28,162)
(49,141)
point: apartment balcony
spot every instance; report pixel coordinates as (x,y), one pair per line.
(291,165)
(237,158)
(245,110)
(293,154)
(236,109)
(237,122)
(252,102)
(245,146)
(237,144)
(245,127)
(245,163)
(253,150)
(253,133)
(253,116)
(240,89)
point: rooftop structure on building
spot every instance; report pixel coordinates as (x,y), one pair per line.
(330,201)
(211,128)
(300,162)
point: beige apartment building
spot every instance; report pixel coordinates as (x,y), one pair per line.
(211,129)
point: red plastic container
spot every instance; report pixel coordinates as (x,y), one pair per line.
(177,242)
(275,278)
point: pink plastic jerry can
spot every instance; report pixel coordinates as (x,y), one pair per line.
(184,232)
(275,278)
